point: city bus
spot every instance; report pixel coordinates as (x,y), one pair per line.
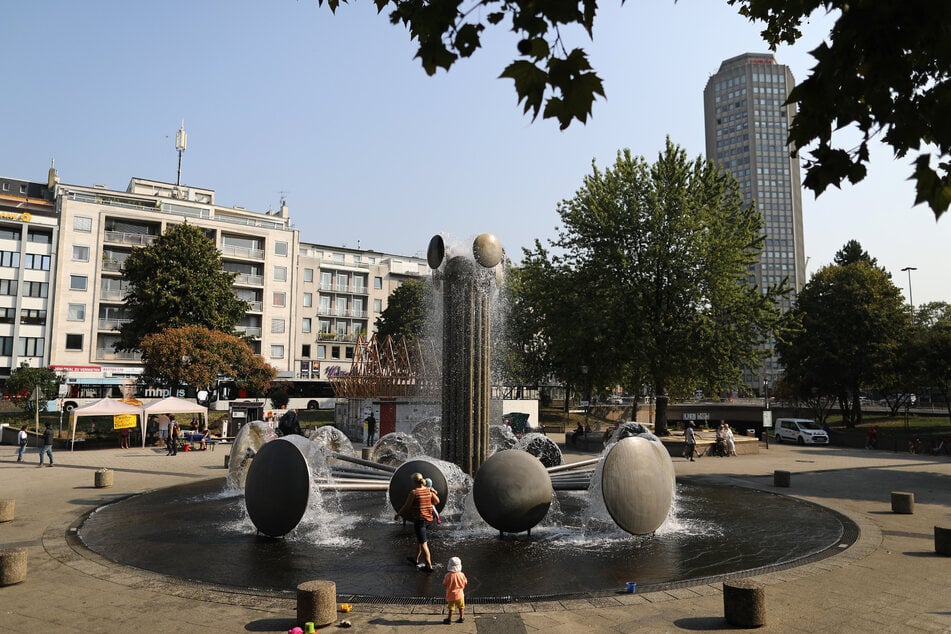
(307,394)
(83,388)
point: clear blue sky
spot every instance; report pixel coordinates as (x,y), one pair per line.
(281,95)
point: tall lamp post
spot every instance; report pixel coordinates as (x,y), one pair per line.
(587,404)
(911,301)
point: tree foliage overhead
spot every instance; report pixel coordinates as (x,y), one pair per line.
(177,281)
(407,311)
(197,356)
(884,70)
(24,380)
(650,279)
(844,334)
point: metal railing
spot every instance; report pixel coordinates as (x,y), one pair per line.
(242,252)
(136,239)
(108,354)
(249,280)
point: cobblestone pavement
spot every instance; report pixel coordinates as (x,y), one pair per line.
(890,580)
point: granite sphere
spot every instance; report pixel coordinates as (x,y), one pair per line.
(637,482)
(401,483)
(277,489)
(487,250)
(512,491)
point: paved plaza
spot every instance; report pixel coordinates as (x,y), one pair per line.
(890,580)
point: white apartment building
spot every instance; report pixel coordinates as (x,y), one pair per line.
(62,292)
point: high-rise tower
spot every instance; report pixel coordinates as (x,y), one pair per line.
(746,125)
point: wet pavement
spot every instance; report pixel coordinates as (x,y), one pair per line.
(889,580)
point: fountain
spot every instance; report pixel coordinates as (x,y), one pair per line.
(605,520)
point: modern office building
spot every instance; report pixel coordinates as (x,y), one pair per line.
(62,291)
(746,124)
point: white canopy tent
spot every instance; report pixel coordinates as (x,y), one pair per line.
(171,405)
(104,407)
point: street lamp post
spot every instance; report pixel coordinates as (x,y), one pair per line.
(911,300)
(587,404)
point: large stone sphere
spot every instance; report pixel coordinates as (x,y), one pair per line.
(277,490)
(637,482)
(428,433)
(401,483)
(395,448)
(329,438)
(512,491)
(501,438)
(487,250)
(542,447)
(247,442)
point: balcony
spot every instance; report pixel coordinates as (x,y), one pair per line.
(229,250)
(108,354)
(112,265)
(255,306)
(345,288)
(135,239)
(111,324)
(245,279)
(249,331)
(112,295)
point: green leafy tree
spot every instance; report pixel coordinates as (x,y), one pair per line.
(844,333)
(197,356)
(651,277)
(884,70)
(19,388)
(177,281)
(407,311)
(930,349)
(853,252)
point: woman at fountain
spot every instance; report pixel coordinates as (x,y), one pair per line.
(420,501)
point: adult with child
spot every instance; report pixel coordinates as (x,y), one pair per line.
(455,582)
(420,503)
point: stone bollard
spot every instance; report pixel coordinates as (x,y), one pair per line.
(781,478)
(227,460)
(942,540)
(104,478)
(366,452)
(6,510)
(317,602)
(744,603)
(903,502)
(12,566)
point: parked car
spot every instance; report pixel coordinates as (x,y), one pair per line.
(800,430)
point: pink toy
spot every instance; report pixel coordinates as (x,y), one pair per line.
(295,630)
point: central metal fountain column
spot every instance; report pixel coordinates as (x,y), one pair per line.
(467,287)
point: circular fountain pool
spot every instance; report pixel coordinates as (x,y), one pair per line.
(201,532)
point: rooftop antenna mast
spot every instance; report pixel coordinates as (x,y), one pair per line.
(181,141)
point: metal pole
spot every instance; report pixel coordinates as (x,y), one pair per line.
(911,300)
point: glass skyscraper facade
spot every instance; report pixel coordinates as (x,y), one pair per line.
(746,125)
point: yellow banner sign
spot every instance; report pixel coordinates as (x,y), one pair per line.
(125,421)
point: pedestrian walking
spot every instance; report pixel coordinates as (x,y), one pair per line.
(690,441)
(371,429)
(21,443)
(47,448)
(420,501)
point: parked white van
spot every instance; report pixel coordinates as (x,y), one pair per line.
(800,430)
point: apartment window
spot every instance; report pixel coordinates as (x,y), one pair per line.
(321,352)
(36,262)
(277,326)
(280,273)
(76,312)
(74,342)
(308,300)
(279,299)
(80,253)
(326,280)
(31,346)
(378,305)
(7,315)
(6,346)
(378,282)
(280,248)
(308,275)
(8,233)
(338,258)
(10,259)
(349,352)
(306,324)
(8,287)
(78,282)
(33,316)
(41,237)
(36,289)
(305,351)
(82,223)
(277,351)
(335,352)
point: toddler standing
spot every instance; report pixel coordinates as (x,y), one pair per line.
(455,582)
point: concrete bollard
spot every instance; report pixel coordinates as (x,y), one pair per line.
(227,460)
(104,478)
(366,452)
(942,540)
(781,478)
(317,602)
(7,508)
(903,502)
(744,603)
(12,565)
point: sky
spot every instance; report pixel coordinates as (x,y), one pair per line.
(284,98)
